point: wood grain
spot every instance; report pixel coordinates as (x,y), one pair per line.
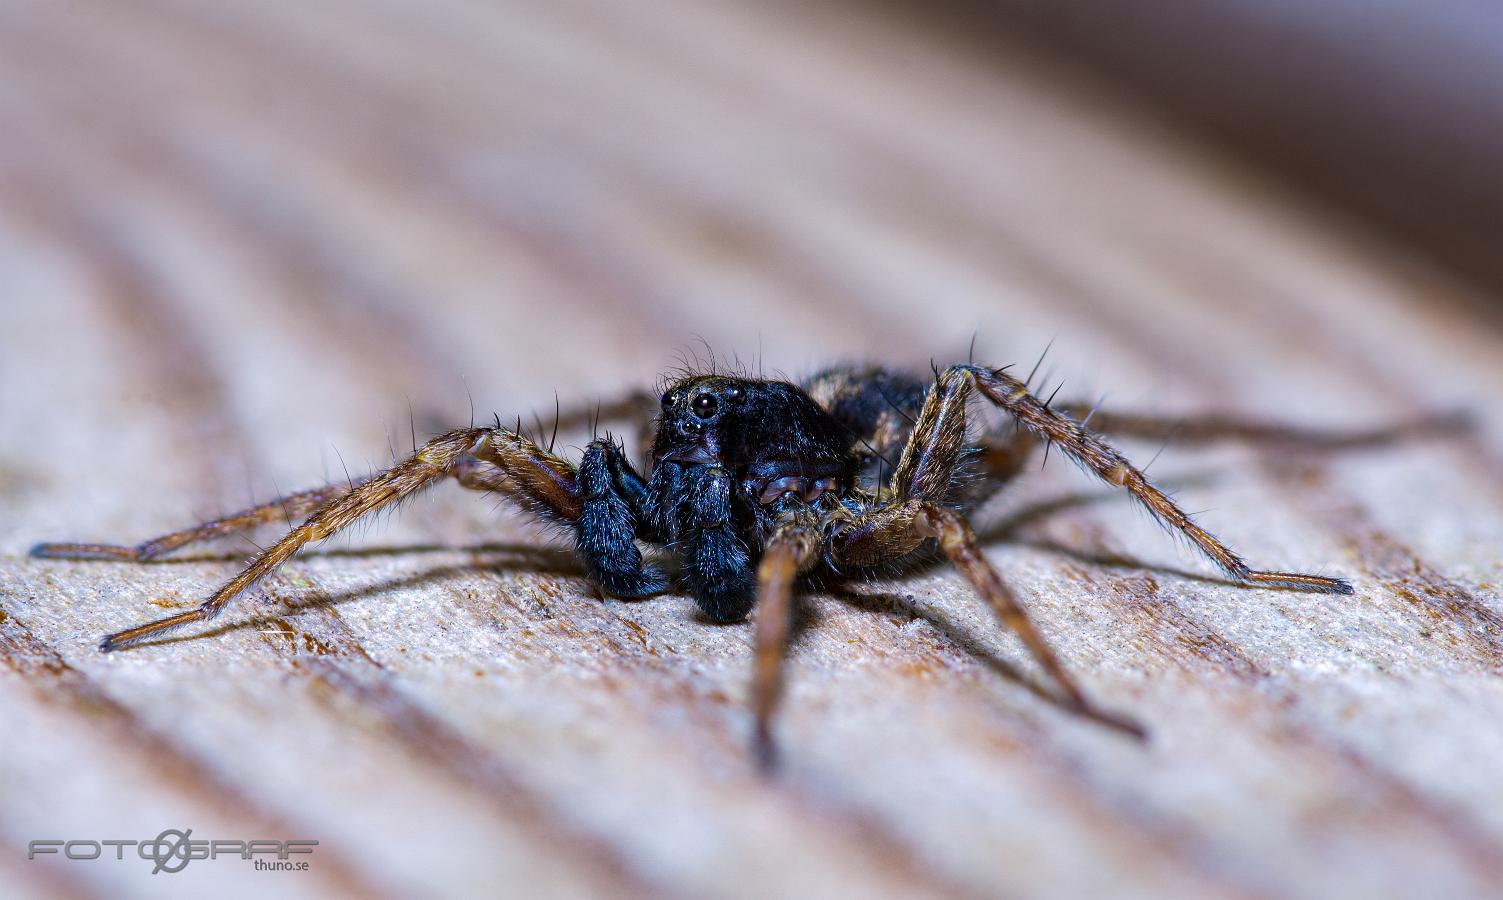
(244,246)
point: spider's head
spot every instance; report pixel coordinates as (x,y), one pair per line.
(729,421)
(696,413)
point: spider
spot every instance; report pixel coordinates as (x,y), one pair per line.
(756,486)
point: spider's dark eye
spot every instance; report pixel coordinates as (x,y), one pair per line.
(704,405)
(670,398)
(734,392)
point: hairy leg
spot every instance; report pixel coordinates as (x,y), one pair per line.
(997,459)
(636,408)
(615,508)
(792,550)
(1206,428)
(930,459)
(958,542)
(478,475)
(891,531)
(544,480)
(471,473)
(719,565)
(292,506)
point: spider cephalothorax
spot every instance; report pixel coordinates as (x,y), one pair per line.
(752,484)
(732,458)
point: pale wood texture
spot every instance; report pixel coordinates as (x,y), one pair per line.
(237,239)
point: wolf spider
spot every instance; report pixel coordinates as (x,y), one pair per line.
(755,484)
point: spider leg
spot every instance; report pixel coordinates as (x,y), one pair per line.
(614,512)
(292,506)
(920,486)
(959,544)
(637,408)
(890,531)
(479,475)
(792,550)
(997,458)
(470,472)
(544,480)
(1213,427)
(719,563)
(931,457)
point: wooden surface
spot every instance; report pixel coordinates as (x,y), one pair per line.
(237,240)
(1391,109)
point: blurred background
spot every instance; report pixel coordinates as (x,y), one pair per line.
(247,247)
(1389,110)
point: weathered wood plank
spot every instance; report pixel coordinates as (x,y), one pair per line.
(237,240)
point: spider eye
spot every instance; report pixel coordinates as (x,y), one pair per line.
(670,398)
(734,392)
(704,405)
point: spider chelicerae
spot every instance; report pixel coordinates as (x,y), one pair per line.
(755,485)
